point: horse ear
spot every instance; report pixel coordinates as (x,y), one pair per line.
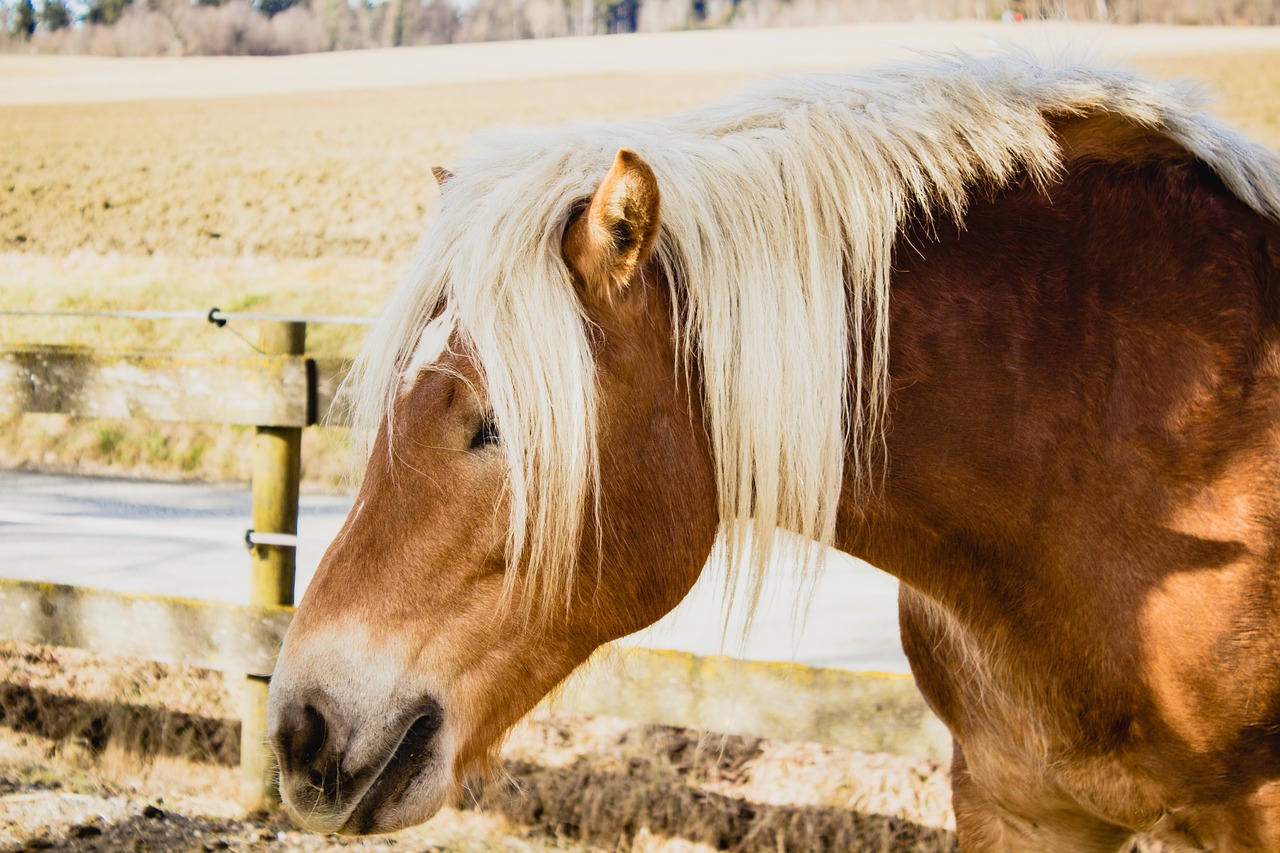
(612,237)
(443,175)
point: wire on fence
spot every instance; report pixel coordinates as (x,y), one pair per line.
(216,316)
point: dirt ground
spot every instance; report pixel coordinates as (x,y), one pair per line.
(274,176)
(105,755)
(345,174)
(102,754)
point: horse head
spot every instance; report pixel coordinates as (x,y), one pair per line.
(432,625)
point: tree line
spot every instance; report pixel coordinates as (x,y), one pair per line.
(259,27)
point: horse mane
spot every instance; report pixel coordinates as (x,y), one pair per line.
(780,211)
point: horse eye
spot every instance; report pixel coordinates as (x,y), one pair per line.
(486,433)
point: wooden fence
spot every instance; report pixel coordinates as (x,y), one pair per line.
(280,393)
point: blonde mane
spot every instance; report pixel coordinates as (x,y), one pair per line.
(779,214)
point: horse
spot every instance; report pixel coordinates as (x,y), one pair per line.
(1008,329)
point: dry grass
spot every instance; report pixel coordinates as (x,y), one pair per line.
(334,175)
(1244,87)
(339,175)
(301,202)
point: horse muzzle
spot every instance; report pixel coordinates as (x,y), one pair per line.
(356,779)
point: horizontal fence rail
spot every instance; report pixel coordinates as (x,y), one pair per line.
(866,711)
(216,316)
(250,390)
(213,635)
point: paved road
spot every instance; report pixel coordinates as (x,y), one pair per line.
(187,540)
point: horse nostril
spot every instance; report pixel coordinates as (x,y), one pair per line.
(423,730)
(314,732)
(302,745)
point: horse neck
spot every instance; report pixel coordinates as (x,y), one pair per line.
(1054,410)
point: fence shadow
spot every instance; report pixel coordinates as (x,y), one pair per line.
(604,800)
(589,802)
(142,729)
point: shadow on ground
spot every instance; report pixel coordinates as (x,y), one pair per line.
(657,787)
(585,803)
(142,729)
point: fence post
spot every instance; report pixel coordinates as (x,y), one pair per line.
(277,460)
